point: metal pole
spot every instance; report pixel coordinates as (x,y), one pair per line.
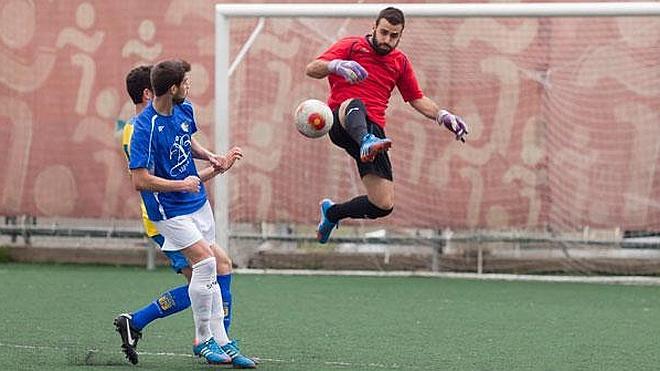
(222,130)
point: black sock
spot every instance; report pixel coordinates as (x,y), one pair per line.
(356,120)
(358,208)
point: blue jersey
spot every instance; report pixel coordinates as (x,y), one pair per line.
(162,144)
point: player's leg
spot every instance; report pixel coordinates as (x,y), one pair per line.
(130,325)
(377,178)
(203,285)
(172,301)
(204,292)
(377,203)
(380,196)
(353,117)
(224,275)
(204,220)
(206,223)
(218,313)
(182,234)
(221,310)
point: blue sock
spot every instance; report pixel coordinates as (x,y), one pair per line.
(170,302)
(225,290)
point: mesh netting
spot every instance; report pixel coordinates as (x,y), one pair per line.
(564,115)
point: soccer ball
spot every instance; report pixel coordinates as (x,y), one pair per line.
(313,118)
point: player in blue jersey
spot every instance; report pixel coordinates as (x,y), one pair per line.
(130,325)
(162,167)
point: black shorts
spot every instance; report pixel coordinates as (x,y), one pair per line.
(381,166)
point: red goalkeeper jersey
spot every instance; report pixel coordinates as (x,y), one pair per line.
(385,72)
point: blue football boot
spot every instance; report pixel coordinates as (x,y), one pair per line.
(212,352)
(235,344)
(237,359)
(371,146)
(325,226)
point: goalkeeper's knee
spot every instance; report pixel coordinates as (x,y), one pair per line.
(355,103)
(375,212)
(354,106)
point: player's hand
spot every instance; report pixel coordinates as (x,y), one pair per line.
(215,160)
(191,184)
(227,161)
(454,123)
(351,71)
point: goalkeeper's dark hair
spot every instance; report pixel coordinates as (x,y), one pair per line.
(168,73)
(138,79)
(392,15)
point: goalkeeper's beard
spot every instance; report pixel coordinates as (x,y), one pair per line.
(380,50)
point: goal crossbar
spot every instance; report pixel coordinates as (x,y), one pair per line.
(597,9)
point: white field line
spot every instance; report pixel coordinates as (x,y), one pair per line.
(611,280)
(158,354)
(182,355)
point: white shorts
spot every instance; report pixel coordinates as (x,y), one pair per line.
(184,230)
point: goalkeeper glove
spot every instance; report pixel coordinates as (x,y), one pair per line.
(454,123)
(351,71)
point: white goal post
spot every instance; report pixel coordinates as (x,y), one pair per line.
(223,13)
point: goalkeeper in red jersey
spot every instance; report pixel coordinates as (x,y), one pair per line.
(362,72)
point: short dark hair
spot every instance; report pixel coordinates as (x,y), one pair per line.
(138,79)
(168,73)
(184,63)
(392,15)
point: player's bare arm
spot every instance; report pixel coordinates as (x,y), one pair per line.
(226,162)
(426,107)
(144,181)
(208,173)
(317,69)
(200,152)
(222,163)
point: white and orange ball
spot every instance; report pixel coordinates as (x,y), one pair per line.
(313,118)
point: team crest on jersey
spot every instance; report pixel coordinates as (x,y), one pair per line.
(180,152)
(185,126)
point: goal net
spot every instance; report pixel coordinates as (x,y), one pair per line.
(564,111)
